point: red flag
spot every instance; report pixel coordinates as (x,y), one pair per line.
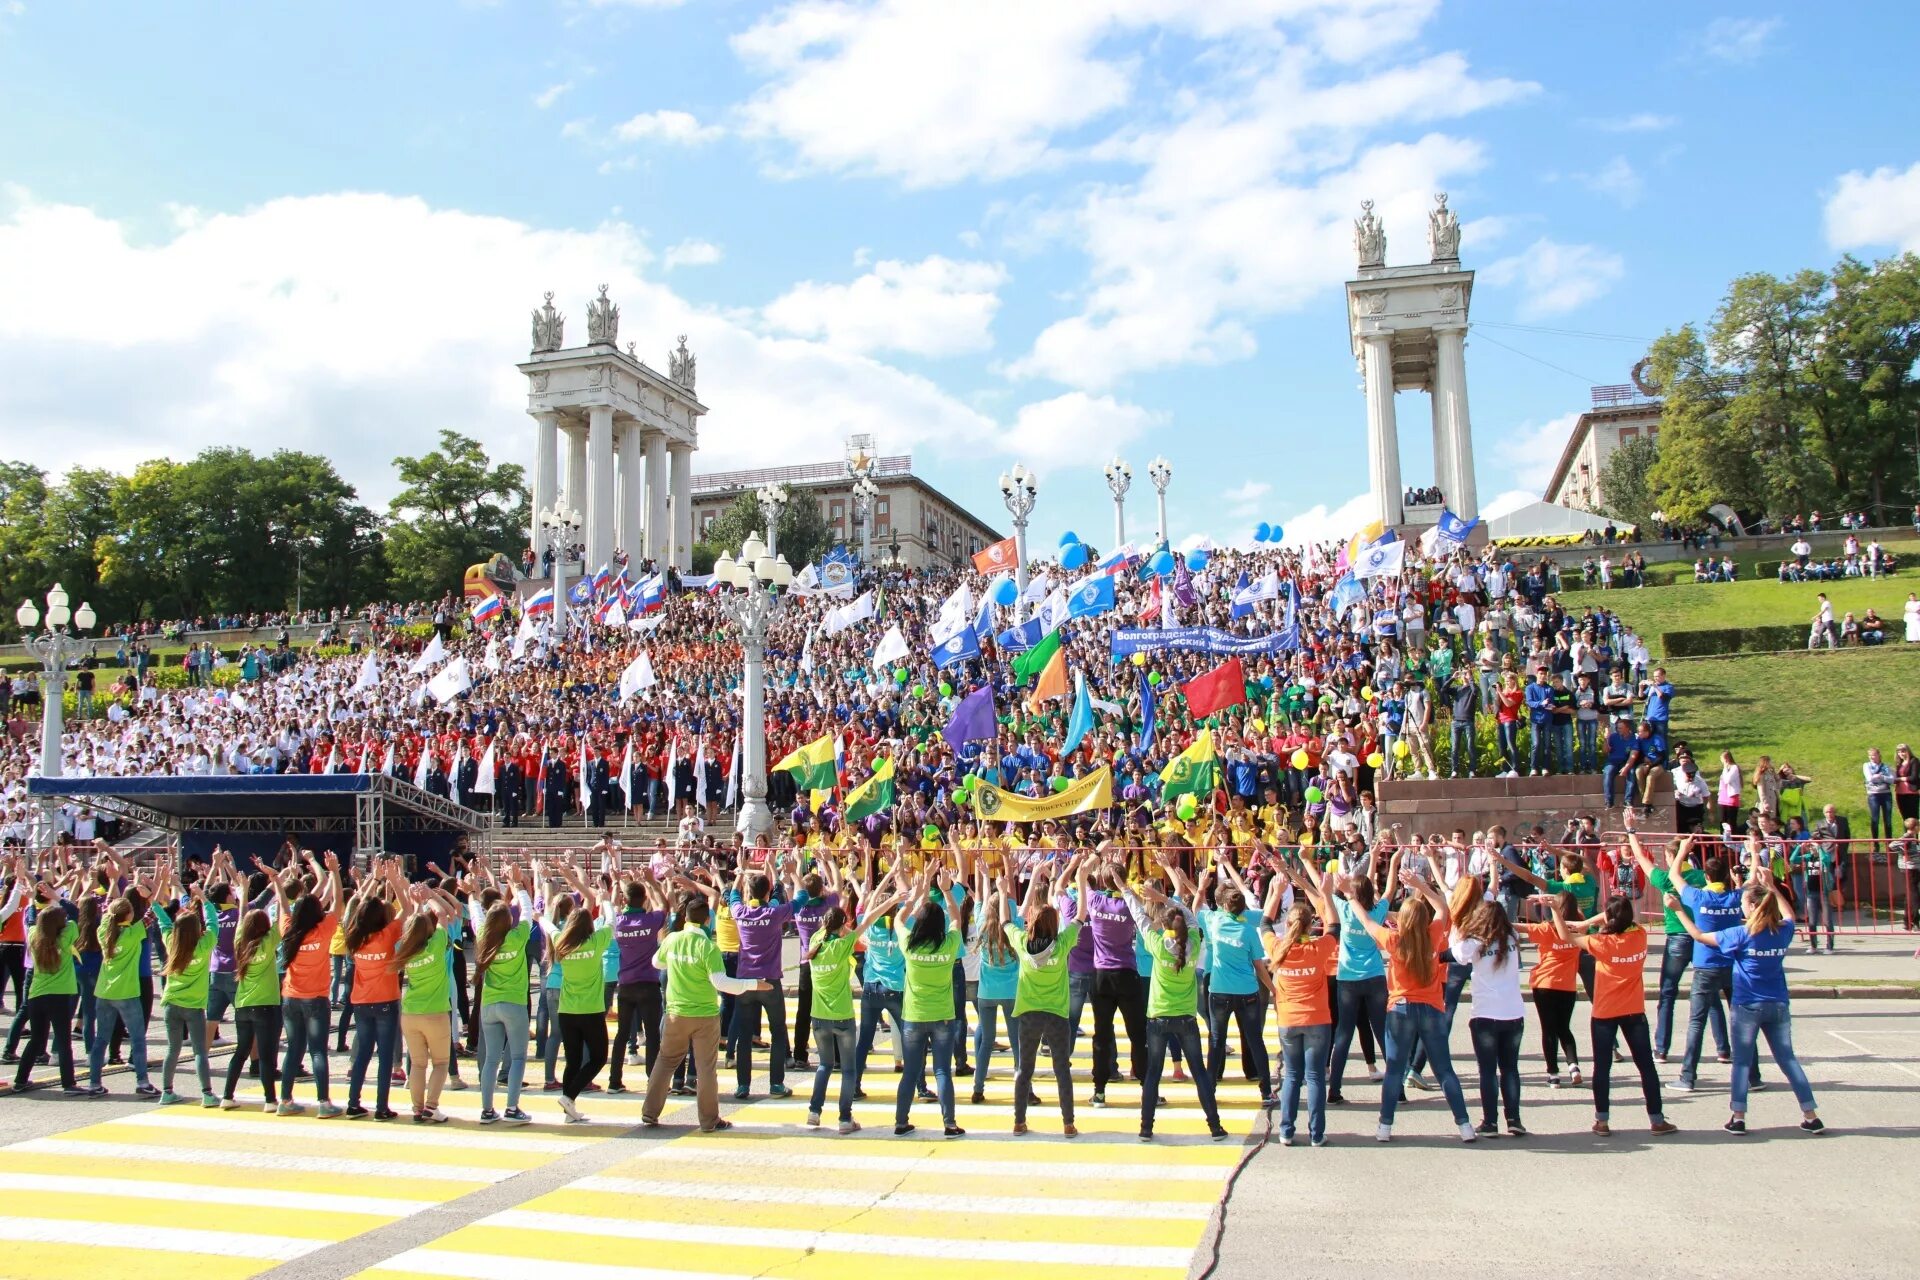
(994,558)
(1220,688)
(1150,611)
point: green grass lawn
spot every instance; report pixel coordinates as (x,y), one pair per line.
(1701,606)
(1671,572)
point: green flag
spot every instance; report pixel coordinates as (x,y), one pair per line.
(1028,665)
(812,765)
(1192,772)
(873,795)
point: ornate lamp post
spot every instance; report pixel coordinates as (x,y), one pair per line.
(760,576)
(865,493)
(561,524)
(56,648)
(1160,471)
(1018,488)
(1119,480)
(773,499)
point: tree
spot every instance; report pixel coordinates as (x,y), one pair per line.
(1623,481)
(804,533)
(455,510)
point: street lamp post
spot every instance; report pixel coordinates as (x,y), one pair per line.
(759,575)
(1160,471)
(1119,480)
(1018,488)
(561,523)
(865,493)
(773,499)
(56,648)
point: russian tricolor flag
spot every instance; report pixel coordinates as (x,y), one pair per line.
(487,607)
(651,593)
(542,602)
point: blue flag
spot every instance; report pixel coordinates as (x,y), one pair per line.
(1346,593)
(1080,723)
(973,719)
(1020,638)
(581,592)
(1242,597)
(1147,720)
(1451,528)
(1094,595)
(958,647)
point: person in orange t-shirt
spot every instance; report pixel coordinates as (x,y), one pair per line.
(372,928)
(1301,967)
(1556,975)
(1619,951)
(1411,944)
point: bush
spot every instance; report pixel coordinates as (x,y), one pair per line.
(1724,640)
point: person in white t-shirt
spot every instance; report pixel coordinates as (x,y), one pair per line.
(1486,940)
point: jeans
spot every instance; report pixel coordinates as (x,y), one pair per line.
(1411,1028)
(547,1031)
(503,1038)
(1610,778)
(1710,987)
(1774,1019)
(1079,991)
(1542,730)
(1589,757)
(1356,1000)
(746,1025)
(640,1013)
(1303,1052)
(1457,976)
(1118,990)
(1186,1032)
(1509,734)
(1563,746)
(1815,909)
(803,1010)
(1460,745)
(1249,1013)
(256,1028)
(960,1012)
(1673,963)
(1038,1027)
(112,1014)
(220,993)
(585,1037)
(49,1027)
(1632,1029)
(834,1038)
(186,1028)
(874,1000)
(1879,816)
(987,1014)
(342,980)
(1555,1011)
(306,1026)
(921,1036)
(375,1026)
(1496,1045)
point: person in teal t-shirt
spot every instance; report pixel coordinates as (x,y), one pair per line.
(189,961)
(930,943)
(1171,1000)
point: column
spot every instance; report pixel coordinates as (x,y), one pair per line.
(599,512)
(546,458)
(633,466)
(682,460)
(1463,499)
(1442,459)
(577,470)
(1119,522)
(659,537)
(1383,434)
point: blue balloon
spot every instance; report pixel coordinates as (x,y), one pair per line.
(1261,530)
(1005,592)
(1163,563)
(1074,557)
(1068,538)
(1274,536)
(1196,560)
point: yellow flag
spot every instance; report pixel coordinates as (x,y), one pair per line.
(1095,791)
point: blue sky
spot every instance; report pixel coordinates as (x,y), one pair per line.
(984,232)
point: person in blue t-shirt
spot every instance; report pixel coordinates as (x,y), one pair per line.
(1757,950)
(1659,695)
(1714,906)
(1539,697)
(1620,742)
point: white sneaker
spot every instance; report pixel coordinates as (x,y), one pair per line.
(1467,1134)
(813,1119)
(1432,776)
(1373,1074)
(1383,1134)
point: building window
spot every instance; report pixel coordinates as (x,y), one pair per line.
(1629,433)
(882,519)
(707,519)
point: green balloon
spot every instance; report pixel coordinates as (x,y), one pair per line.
(1155,678)
(1186,809)
(1059,783)
(899,675)
(919,691)
(930,832)
(946,690)
(1315,795)
(877,762)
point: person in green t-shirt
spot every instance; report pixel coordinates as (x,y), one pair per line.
(256,1007)
(695,977)
(579,951)
(426,998)
(1172,998)
(51,994)
(116,996)
(1042,995)
(500,1003)
(189,959)
(829,962)
(930,943)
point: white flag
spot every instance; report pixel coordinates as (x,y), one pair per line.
(616,613)
(238,701)
(1036,588)
(646,622)
(386,765)
(637,676)
(333,758)
(626,772)
(428,656)
(806,653)
(1378,561)
(700,772)
(1053,611)
(733,775)
(522,636)
(583,774)
(483,785)
(838,620)
(892,648)
(673,770)
(493,654)
(956,611)
(369,674)
(454,679)
(426,759)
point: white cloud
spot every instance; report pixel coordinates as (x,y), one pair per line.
(678,127)
(356,326)
(1508,502)
(1555,277)
(1638,122)
(1616,180)
(1322,523)
(1529,452)
(1244,499)
(1878,208)
(934,307)
(552,94)
(1073,430)
(577,128)
(691,253)
(634,4)
(1737,39)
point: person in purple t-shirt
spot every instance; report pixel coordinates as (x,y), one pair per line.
(636,933)
(1116,983)
(762,920)
(811,902)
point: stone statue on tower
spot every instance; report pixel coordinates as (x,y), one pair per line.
(1443,231)
(603,320)
(1369,237)
(547,326)
(680,364)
